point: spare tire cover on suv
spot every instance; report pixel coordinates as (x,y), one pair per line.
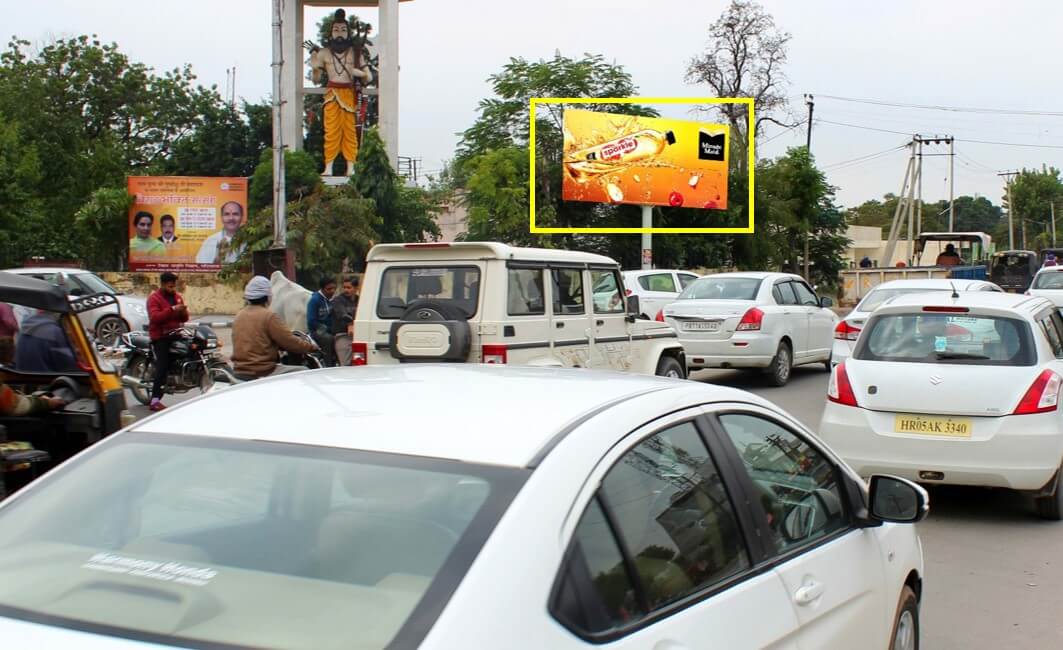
(430,330)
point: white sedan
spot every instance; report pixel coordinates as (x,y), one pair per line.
(848,329)
(1048,283)
(358,508)
(771,321)
(955,388)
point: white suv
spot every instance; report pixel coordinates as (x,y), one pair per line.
(493,303)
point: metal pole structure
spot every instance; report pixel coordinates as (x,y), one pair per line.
(1011,210)
(891,242)
(1053,206)
(911,212)
(808,146)
(388,44)
(919,205)
(952,177)
(280,224)
(647,238)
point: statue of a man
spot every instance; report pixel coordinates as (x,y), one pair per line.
(341,65)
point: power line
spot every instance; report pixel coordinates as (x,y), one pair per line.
(862,159)
(936,107)
(992,142)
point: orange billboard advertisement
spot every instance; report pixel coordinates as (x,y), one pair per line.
(185,223)
(610,158)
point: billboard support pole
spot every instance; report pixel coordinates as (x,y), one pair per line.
(647,238)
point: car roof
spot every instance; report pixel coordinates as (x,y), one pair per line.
(930,283)
(498,415)
(992,300)
(45,269)
(1050,269)
(31,292)
(648,271)
(480,250)
(758,275)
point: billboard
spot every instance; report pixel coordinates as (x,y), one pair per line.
(184,223)
(610,158)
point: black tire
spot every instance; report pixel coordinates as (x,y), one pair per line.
(1050,507)
(829,363)
(782,365)
(108,329)
(905,634)
(139,367)
(670,367)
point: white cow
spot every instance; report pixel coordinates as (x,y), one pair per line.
(289,300)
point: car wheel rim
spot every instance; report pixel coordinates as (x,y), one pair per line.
(109,331)
(905,637)
(784,363)
(673,373)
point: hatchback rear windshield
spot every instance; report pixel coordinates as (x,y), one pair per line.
(722,289)
(202,541)
(874,300)
(1051,280)
(401,286)
(947,338)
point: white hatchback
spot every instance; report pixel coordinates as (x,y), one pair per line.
(848,329)
(656,288)
(358,508)
(1048,283)
(955,388)
(770,321)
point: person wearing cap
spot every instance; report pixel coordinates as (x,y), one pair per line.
(1050,259)
(259,334)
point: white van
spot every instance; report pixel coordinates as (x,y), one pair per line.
(492,303)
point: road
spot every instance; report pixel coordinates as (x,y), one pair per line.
(994,571)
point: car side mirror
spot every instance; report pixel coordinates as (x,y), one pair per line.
(826,302)
(898,500)
(633,308)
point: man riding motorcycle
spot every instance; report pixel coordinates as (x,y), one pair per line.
(259,334)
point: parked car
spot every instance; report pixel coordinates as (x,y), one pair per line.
(770,321)
(106,323)
(1013,270)
(848,329)
(1048,283)
(959,389)
(656,288)
(661,514)
(493,303)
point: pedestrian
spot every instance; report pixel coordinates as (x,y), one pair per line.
(865,262)
(1050,259)
(319,319)
(167,311)
(344,306)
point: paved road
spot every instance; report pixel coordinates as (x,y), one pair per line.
(994,570)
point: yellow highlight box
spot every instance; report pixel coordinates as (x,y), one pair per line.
(751,164)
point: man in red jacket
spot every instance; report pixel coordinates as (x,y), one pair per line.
(166,312)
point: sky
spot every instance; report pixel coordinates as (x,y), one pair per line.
(967,54)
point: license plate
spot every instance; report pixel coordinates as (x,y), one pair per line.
(701,326)
(933,426)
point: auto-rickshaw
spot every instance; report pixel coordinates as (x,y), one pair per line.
(1013,270)
(51,353)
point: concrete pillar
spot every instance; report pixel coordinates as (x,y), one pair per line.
(388,44)
(292,75)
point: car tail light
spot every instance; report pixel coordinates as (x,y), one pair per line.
(427,245)
(751,321)
(947,309)
(839,390)
(494,353)
(1043,395)
(845,331)
(359,353)
(660,316)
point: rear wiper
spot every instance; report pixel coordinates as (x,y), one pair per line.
(959,355)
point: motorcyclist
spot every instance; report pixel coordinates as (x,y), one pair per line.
(259,334)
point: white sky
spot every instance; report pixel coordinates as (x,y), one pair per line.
(947,52)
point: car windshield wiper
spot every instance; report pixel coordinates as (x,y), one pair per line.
(959,355)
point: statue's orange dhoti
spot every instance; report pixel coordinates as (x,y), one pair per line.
(341,109)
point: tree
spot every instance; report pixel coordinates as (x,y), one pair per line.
(744,58)
(1034,192)
(103,219)
(227,143)
(20,171)
(404,214)
(300,179)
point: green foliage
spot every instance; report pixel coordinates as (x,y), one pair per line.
(496,192)
(1033,193)
(227,143)
(300,179)
(103,219)
(404,214)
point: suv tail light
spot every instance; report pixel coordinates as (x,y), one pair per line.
(751,321)
(845,331)
(359,353)
(494,354)
(660,316)
(839,390)
(1043,395)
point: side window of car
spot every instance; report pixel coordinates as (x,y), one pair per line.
(658,282)
(685,279)
(805,296)
(785,293)
(568,291)
(664,504)
(525,295)
(1050,325)
(606,288)
(797,486)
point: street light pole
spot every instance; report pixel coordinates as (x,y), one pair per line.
(280,224)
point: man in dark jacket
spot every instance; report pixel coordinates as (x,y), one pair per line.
(167,311)
(319,319)
(42,345)
(343,307)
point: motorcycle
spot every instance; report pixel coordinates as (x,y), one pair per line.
(311,361)
(195,361)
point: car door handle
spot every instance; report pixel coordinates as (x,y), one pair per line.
(599,323)
(808,593)
(559,325)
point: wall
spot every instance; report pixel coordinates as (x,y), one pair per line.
(204,292)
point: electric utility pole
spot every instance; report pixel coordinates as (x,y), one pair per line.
(1011,209)
(808,145)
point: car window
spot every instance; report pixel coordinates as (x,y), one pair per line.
(401,286)
(721,288)
(872,300)
(685,279)
(1051,326)
(797,486)
(94,284)
(607,296)
(658,282)
(525,296)
(805,295)
(1048,280)
(784,294)
(947,338)
(674,516)
(568,291)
